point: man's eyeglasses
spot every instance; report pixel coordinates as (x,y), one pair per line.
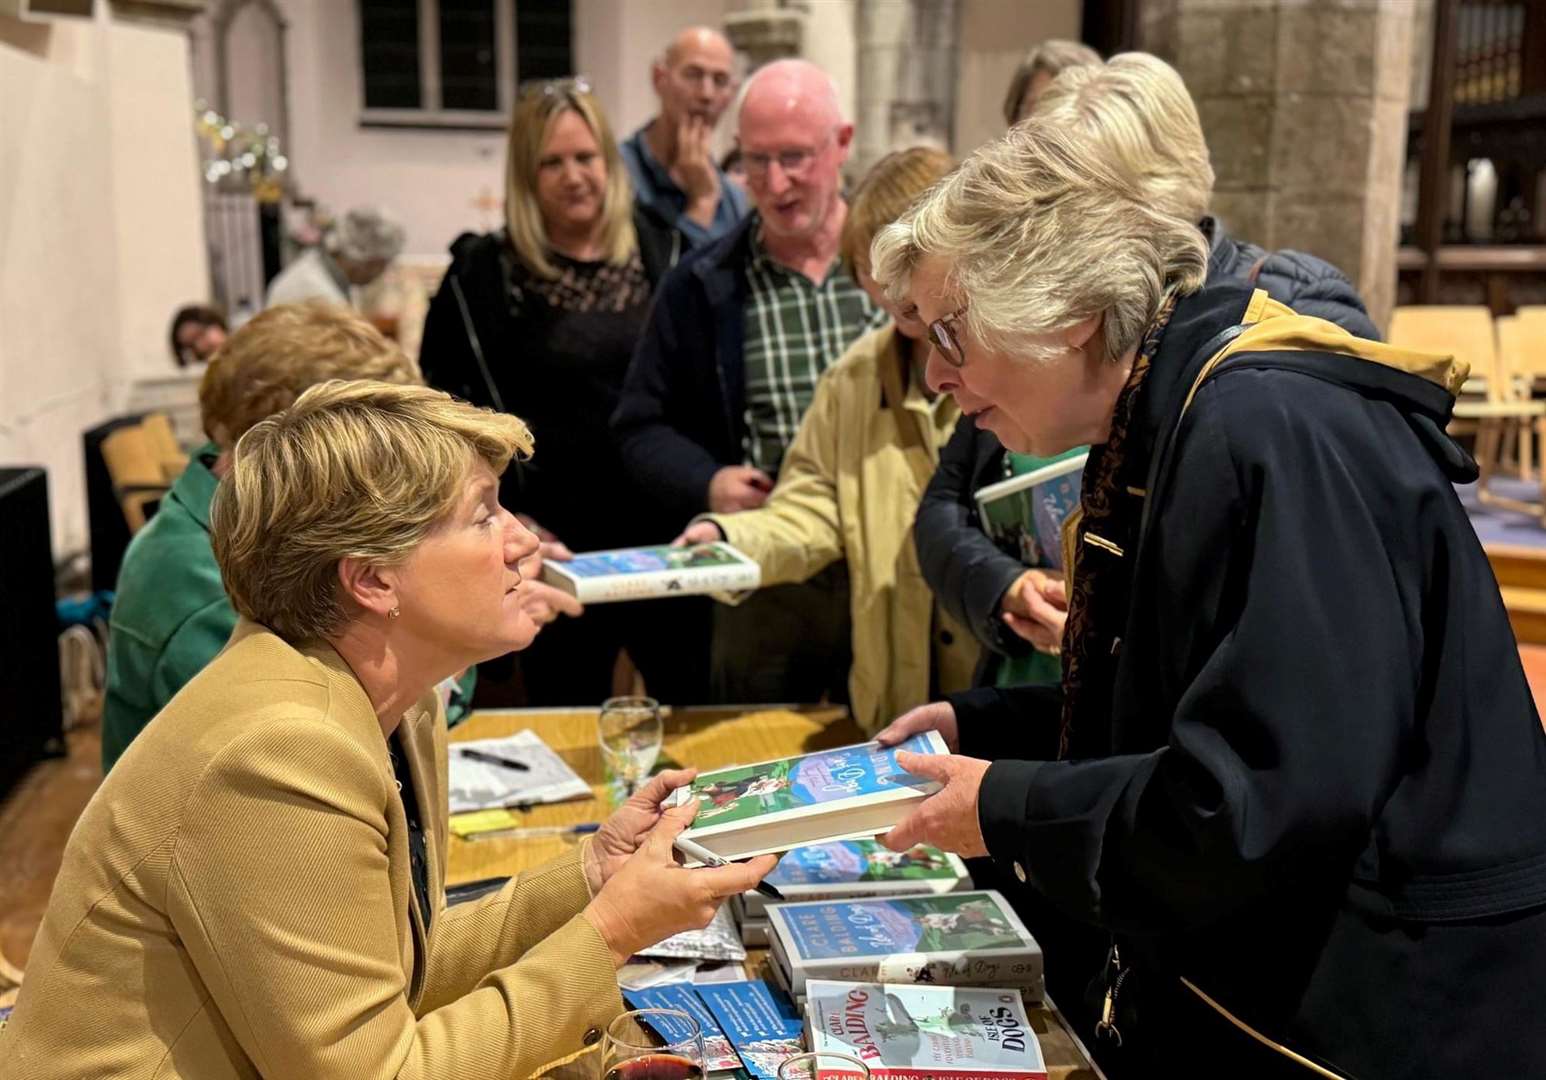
(568,87)
(943,333)
(793,163)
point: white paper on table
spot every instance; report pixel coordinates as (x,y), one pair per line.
(479,785)
(719,940)
(643,974)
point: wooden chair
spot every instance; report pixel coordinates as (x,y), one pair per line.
(139,479)
(162,442)
(1465,331)
(1507,410)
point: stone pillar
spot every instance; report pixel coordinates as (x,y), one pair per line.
(761,31)
(907,77)
(1304,104)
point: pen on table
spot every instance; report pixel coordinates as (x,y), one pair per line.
(495,759)
(698,853)
(531,832)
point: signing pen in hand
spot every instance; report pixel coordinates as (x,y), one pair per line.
(700,854)
(495,759)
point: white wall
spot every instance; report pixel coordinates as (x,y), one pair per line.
(101,235)
(441,183)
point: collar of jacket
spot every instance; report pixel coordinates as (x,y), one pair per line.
(718,266)
(195,488)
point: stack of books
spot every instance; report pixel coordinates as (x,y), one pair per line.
(950,939)
(849,870)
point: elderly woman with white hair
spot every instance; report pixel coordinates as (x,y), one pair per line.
(354,252)
(1299,773)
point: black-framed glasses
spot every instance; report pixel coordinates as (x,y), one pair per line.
(942,332)
(573,84)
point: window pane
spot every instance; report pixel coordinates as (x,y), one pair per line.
(544,32)
(469,69)
(389,49)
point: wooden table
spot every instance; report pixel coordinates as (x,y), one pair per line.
(709,738)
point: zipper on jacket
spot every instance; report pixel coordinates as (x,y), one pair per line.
(1106,1027)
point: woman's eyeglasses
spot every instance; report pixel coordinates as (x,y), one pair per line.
(943,333)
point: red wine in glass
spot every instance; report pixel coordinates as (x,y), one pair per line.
(655,1067)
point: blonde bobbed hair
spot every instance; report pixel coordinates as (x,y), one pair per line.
(363,470)
(279,354)
(884,195)
(532,121)
(1058,221)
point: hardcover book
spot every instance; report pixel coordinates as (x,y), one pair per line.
(918,1032)
(760,1022)
(644,573)
(851,793)
(851,869)
(718,1054)
(954,939)
(1024,515)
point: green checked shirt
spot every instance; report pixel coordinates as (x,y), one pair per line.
(795,330)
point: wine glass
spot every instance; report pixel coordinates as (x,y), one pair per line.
(652,1044)
(822,1065)
(630,733)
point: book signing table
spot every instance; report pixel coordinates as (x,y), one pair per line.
(707,738)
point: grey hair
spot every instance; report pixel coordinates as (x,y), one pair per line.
(366,234)
(1054,56)
(1056,222)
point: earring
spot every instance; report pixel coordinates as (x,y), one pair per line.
(394,613)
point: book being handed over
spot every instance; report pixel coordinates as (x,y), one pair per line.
(646,573)
(773,806)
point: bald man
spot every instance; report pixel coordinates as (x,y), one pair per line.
(738,335)
(670,159)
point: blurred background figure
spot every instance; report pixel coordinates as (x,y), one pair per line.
(197,333)
(540,318)
(671,158)
(354,252)
(1040,66)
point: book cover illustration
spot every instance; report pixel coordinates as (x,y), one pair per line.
(861,860)
(760,1022)
(718,1054)
(1024,515)
(792,784)
(912,1032)
(647,560)
(944,923)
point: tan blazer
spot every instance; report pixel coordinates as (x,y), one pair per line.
(849,489)
(236,902)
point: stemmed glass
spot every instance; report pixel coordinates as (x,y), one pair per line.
(822,1065)
(630,733)
(652,1044)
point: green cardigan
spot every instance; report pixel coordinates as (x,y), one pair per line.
(170,615)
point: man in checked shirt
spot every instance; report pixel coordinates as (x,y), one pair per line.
(727,365)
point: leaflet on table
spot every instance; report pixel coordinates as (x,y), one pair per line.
(914,1032)
(719,940)
(760,1022)
(718,1054)
(483,785)
(831,795)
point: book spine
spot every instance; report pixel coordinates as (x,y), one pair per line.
(657,583)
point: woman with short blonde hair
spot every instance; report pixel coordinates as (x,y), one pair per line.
(541,319)
(258,887)
(1262,770)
